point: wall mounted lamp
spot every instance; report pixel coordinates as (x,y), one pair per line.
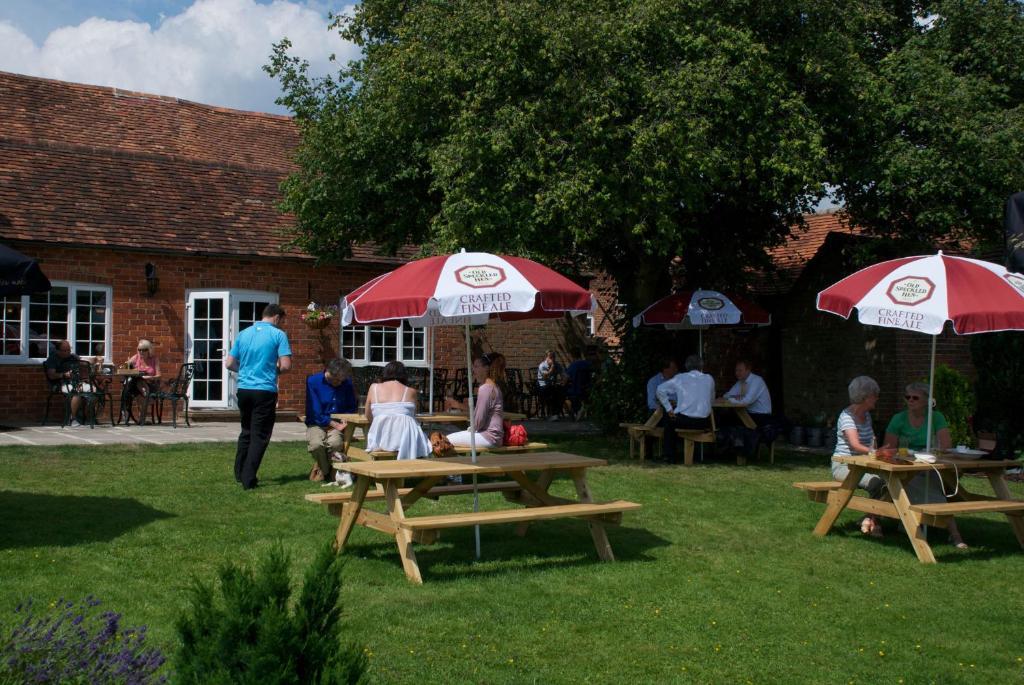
(152,282)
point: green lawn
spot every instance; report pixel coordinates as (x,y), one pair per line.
(718,577)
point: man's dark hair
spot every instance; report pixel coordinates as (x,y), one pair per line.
(273,310)
(694,363)
(339,368)
(745,361)
(667,362)
(395,371)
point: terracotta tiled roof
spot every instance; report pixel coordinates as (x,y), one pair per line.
(102,166)
(790,258)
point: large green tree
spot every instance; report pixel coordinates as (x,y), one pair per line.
(620,132)
(945,137)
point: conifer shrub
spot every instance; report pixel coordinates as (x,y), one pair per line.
(248,633)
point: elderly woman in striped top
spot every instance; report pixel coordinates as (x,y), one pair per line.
(856,435)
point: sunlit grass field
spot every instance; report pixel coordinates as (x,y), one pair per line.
(717,579)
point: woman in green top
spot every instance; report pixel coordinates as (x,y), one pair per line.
(909,428)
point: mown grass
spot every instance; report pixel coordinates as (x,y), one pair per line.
(718,577)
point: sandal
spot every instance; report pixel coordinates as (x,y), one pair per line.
(959,545)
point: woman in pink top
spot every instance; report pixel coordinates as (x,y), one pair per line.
(489,373)
(145,361)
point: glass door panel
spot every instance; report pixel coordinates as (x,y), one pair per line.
(207,345)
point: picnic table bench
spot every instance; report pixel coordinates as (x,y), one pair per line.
(533,494)
(839,495)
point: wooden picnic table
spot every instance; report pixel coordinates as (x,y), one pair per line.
(389,477)
(839,496)
(741,411)
(354,421)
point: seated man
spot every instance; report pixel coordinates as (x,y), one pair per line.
(750,391)
(695,391)
(58,368)
(329,392)
(669,369)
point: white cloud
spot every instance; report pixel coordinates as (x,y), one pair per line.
(213,52)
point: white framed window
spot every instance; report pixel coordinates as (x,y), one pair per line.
(34,324)
(378,345)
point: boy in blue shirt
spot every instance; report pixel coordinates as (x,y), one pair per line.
(260,353)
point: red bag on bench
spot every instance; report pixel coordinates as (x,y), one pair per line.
(515,435)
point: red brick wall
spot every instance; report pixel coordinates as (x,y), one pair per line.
(162,317)
(822,352)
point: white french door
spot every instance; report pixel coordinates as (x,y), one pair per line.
(215,318)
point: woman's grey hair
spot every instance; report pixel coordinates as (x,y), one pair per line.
(863,387)
(920,388)
(694,363)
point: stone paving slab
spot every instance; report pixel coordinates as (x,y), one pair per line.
(284,431)
(147,435)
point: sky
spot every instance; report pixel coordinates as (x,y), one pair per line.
(209,51)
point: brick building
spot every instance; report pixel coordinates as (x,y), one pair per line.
(97,183)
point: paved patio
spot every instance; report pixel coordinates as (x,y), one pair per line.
(207,431)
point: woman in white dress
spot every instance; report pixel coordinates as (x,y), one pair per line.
(391,410)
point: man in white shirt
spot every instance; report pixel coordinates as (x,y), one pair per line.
(669,369)
(751,392)
(694,392)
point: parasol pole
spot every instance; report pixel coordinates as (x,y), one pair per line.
(931,397)
(430,408)
(472,435)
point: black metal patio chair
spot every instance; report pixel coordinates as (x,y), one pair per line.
(175,391)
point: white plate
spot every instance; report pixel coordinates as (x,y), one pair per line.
(967,453)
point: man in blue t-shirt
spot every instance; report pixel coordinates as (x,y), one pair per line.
(329,392)
(259,354)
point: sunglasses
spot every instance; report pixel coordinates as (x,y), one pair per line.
(911,397)
(144,349)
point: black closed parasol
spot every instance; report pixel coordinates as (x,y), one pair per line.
(20,275)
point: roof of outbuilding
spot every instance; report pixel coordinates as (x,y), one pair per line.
(790,258)
(103,166)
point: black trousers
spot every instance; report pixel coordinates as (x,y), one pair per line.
(259,411)
(670,441)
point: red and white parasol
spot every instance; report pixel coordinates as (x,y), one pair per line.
(690,309)
(923,293)
(695,308)
(468,287)
(464,289)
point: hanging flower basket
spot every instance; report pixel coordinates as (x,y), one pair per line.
(318,324)
(319,317)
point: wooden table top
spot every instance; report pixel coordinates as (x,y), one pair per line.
(128,372)
(722,403)
(944,463)
(486,464)
(442,417)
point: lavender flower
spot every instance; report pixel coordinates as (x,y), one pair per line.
(69,643)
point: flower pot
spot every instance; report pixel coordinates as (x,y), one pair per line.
(318,324)
(814,437)
(796,435)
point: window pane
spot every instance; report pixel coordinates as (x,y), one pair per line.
(413,345)
(10,327)
(353,343)
(90,315)
(216,308)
